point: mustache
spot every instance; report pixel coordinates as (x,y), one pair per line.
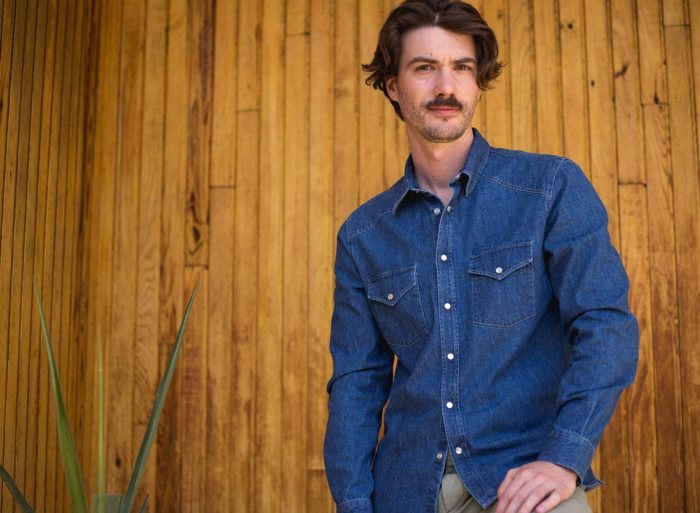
(444,102)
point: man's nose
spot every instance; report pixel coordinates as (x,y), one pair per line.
(444,83)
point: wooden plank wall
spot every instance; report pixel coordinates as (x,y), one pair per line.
(43,76)
(224,142)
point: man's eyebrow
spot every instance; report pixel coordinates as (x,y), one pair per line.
(430,60)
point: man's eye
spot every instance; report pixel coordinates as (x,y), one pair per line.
(424,67)
(464,67)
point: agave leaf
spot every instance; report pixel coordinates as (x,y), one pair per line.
(110,500)
(144,506)
(71,467)
(100,428)
(19,498)
(150,434)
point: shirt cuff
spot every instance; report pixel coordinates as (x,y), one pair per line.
(570,450)
(355,506)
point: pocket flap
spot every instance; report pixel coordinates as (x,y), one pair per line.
(388,287)
(501,261)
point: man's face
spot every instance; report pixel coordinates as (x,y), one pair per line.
(436,83)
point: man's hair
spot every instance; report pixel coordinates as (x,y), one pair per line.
(451,15)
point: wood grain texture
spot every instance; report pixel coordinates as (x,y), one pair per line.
(664,283)
(146,144)
(686,193)
(641,397)
(268,473)
(521,67)
(496,104)
(628,108)
(295,286)
(219,349)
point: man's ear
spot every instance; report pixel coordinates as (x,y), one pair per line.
(391,88)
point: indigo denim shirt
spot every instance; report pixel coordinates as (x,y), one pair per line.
(507,314)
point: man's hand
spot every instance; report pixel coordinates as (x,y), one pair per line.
(538,486)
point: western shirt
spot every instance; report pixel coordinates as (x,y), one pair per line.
(505,314)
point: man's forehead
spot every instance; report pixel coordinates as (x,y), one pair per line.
(433,41)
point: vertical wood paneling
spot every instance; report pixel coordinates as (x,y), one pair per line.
(121,362)
(172,287)
(146,376)
(192,423)
(345,131)
(245,325)
(496,103)
(652,64)
(220,300)
(22,248)
(43,71)
(686,194)
(14,209)
(6,51)
(246,258)
(225,92)
(642,404)
(521,65)
(54,235)
(548,67)
(268,364)
(147,144)
(628,108)
(321,239)
(295,277)
(41,126)
(574,105)
(371,104)
(664,282)
(200,59)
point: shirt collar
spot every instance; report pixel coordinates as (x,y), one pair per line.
(471,168)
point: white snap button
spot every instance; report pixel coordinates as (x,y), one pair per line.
(443,257)
(447,306)
(499,270)
(439,455)
(437,211)
(390,296)
(449,208)
(449,404)
(458,450)
(450,356)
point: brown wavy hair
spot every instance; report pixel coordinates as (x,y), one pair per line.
(452,15)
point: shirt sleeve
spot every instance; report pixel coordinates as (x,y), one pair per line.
(592,288)
(358,388)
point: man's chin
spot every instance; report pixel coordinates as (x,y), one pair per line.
(443,136)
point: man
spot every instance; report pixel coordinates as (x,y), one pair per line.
(490,276)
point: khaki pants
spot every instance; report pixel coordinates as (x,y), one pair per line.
(454,498)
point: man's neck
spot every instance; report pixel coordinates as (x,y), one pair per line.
(436,164)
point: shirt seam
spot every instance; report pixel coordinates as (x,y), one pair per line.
(551,186)
(513,186)
(368,227)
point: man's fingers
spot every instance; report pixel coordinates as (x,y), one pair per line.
(528,496)
(549,503)
(533,499)
(516,491)
(510,475)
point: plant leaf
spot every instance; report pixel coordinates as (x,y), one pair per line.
(150,434)
(71,467)
(144,506)
(100,427)
(15,491)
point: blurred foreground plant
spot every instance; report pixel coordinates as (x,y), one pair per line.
(103,503)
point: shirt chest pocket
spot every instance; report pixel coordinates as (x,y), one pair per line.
(503,285)
(396,302)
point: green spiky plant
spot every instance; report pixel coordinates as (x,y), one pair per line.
(103,503)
